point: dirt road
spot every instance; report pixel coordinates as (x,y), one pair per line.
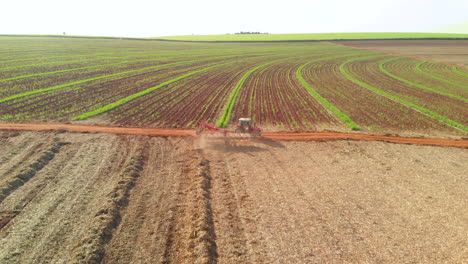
(104,198)
(268,135)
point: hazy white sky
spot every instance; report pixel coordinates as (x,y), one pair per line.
(151,18)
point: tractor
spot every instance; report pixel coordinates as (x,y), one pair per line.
(244,126)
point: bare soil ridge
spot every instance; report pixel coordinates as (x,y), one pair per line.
(289,136)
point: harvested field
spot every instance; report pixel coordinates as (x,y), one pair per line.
(97,198)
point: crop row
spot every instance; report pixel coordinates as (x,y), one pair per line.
(23,84)
(118,74)
(444,108)
(447,73)
(81,97)
(294,86)
(164,97)
(405,70)
(369,110)
(273,95)
(197,98)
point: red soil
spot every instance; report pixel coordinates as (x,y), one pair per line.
(304,136)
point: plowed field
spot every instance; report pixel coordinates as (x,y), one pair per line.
(100,198)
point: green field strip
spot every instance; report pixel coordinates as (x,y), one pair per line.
(55,57)
(227,112)
(137,95)
(39,58)
(16,96)
(82,68)
(382,68)
(418,68)
(397,99)
(338,113)
(142,93)
(94,57)
(46,63)
(457,70)
(101,65)
(60,71)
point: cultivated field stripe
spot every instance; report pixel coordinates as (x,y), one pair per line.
(395,98)
(382,68)
(144,92)
(81,68)
(47,63)
(228,109)
(96,66)
(457,70)
(418,68)
(42,58)
(226,117)
(342,116)
(16,96)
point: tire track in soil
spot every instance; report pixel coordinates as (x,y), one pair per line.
(91,248)
(56,204)
(22,169)
(169,216)
(230,228)
(12,142)
(200,235)
(18,152)
(27,173)
(148,220)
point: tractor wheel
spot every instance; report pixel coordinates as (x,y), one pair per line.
(239,130)
(256,133)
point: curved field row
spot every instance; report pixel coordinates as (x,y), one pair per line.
(44,80)
(178,96)
(47,67)
(129,98)
(228,109)
(273,95)
(403,70)
(293,86)
(445,72)
(61,78)
(38,69)
(34,72)
(366,108)
(22,63)
(79,98)
(333,109)
(226,116)
(444,108)
(101,77)
(461,71)
(419,68)
(166,102)
(183,104)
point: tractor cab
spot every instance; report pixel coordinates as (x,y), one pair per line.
(244,123)
(245,126)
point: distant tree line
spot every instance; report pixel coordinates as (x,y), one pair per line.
(250,32)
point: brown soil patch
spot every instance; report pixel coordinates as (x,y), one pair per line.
(139,199)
